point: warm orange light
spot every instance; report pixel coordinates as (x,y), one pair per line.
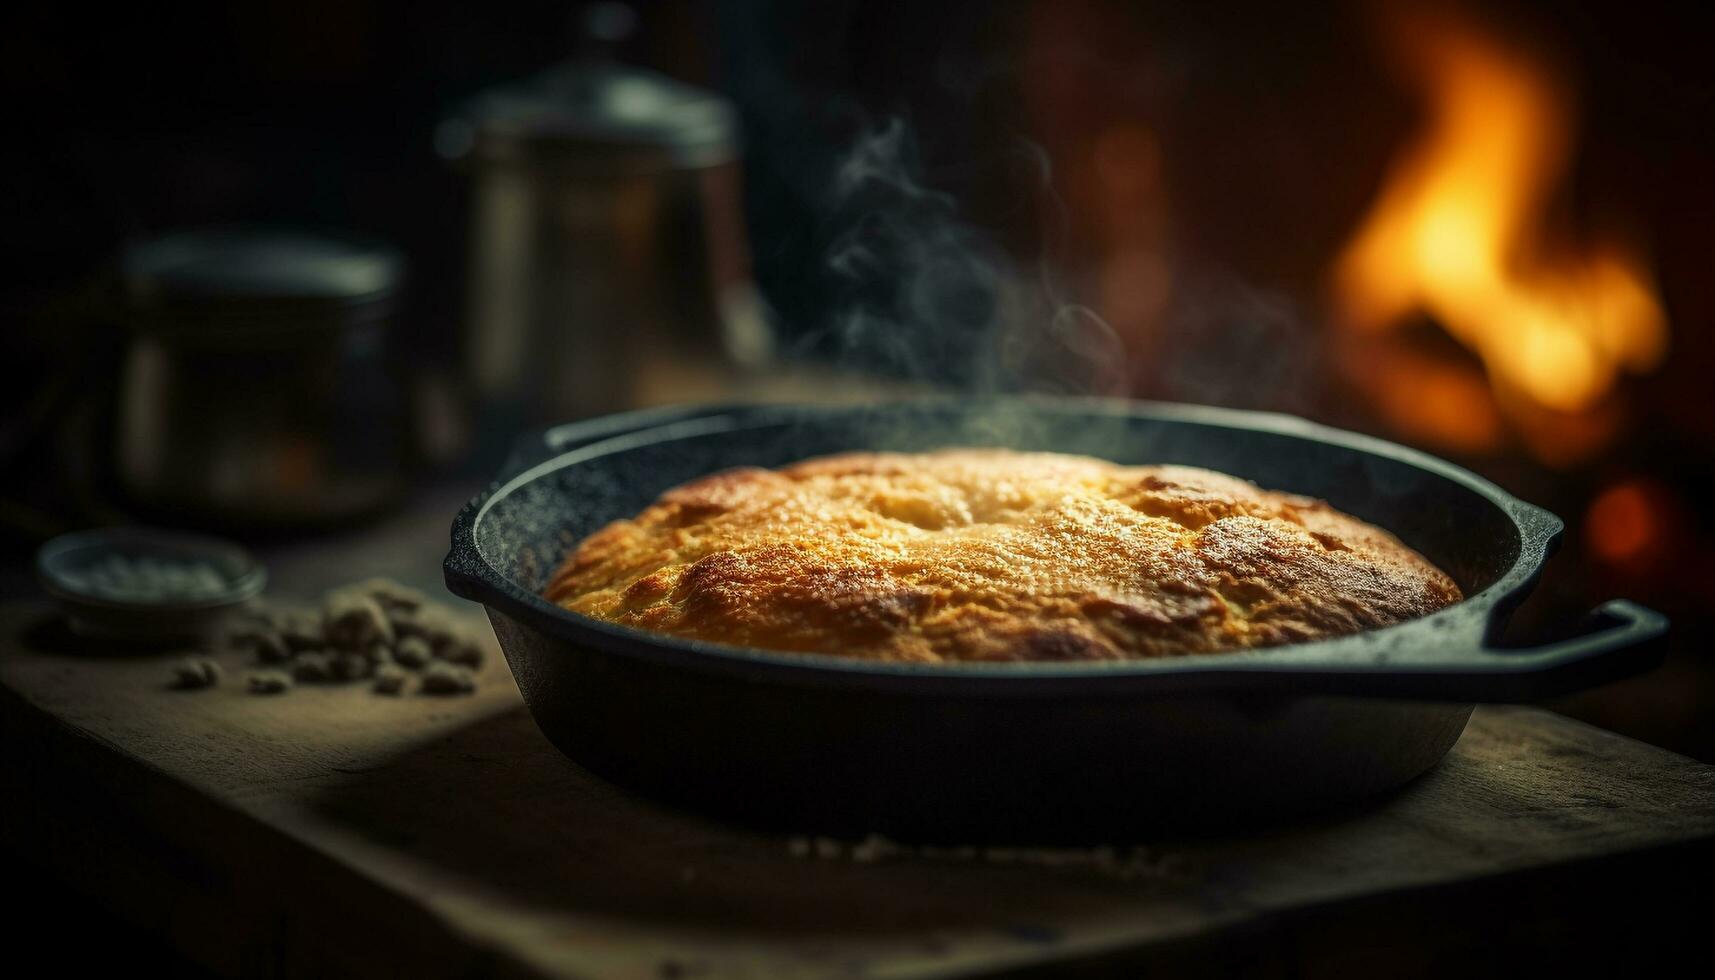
(1428,400)
(1622,525)
(1458,231)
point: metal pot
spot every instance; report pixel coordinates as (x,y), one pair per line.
(255,388)
(1029,751)
(606,240)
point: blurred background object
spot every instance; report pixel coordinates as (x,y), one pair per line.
(1478,228)
(606,240)
(256,389)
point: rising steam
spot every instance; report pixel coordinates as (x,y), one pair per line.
(925,296)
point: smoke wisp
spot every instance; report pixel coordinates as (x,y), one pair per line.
(923,295)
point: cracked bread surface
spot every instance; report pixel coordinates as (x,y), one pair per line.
(994,555)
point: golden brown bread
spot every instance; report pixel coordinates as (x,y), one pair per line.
(980,554)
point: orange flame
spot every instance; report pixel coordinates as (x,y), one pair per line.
(1457,231)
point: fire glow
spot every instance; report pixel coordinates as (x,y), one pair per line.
(1458,234)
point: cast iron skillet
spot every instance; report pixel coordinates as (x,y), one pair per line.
(1019,752)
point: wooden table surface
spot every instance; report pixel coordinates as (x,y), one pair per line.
(330,831)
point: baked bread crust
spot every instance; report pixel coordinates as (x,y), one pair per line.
(994,555)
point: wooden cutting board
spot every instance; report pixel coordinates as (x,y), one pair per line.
(331,831)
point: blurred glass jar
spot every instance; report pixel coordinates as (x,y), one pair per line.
(606,240)
(255,389)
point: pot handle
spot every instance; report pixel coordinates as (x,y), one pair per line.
(1624,638)
(545,444)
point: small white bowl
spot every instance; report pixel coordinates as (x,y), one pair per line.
(147,585)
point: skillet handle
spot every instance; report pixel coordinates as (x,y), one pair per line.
(1625,639)
(544,444)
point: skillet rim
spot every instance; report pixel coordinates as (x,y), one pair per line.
(1450,640)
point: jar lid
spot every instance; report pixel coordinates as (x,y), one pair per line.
(260,269)
(597,116)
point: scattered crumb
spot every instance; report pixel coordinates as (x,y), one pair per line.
(872,849)
(407,622)
(413,652)
(441,677)
(1129,863)
(195,673)
(461,650)
(353,620)
(376,630)
(301,629)
(390,679)
(270,682)
(391,596)
(270,647)
(350,666)
(312,667)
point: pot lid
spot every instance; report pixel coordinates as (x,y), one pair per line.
(257,266)
(597,114)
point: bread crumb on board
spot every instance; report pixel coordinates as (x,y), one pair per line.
(377,632)
(195,673)
(1125,863)
(413,652)
(270,682)
(442,677)
(311,667)
(390,679)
